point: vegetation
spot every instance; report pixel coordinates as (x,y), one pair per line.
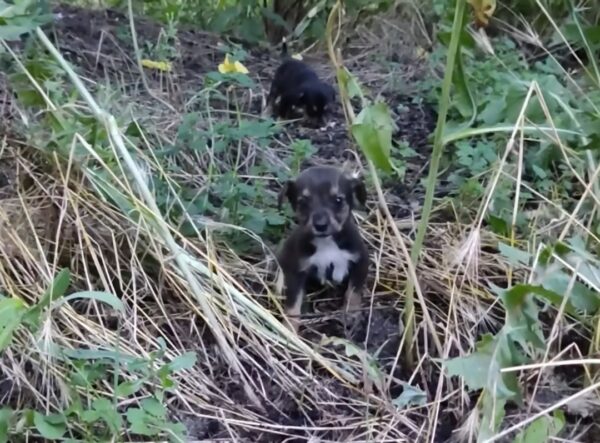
(138,219)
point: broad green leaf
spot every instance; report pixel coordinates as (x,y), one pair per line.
(153,407)
(108,413)
(348,82)
(183,361)
(542,429)
(11,313)
(137,420)
(128,388)
(411,396)
(179,431)
(372,131)
(104,297)
(91,416)
(5,416)
(581,297)
(493,113)
(515,256)
(20,17)
(522,316)
(50,426)
(481,369)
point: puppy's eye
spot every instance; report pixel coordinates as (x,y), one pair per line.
(338,200)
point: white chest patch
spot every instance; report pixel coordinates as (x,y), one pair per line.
(329,255)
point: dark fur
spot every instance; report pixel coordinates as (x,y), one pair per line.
(322,205)
(297,89)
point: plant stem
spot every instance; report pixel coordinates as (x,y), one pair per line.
(436,155)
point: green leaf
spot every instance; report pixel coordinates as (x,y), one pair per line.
(184,361)
(411,396)
(367,360)
(493,113)
(57,289)
(372,131)
(465,103)
(91,416)
(5,417)
(349,83)
(50,426)
(104,297)
(179,431)
(137,420)
(93,354)
(153,407)
(108,413)
(128,388)
(581,297)
(515,256)
(481,369)
(522,316)
(542,429)
(11,313)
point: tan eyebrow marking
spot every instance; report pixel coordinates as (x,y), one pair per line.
(306,192)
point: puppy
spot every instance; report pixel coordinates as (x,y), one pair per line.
(326,245)
(296,87)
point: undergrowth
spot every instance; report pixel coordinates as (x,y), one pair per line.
(144,306)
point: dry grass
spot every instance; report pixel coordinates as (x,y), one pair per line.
(253,380)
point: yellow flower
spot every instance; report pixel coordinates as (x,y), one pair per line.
(228,66)
(161,66)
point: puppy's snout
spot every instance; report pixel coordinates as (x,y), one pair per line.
(320,222)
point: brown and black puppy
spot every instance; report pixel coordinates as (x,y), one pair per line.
(296,90)
(326,245)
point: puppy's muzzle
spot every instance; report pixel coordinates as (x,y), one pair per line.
(323,224)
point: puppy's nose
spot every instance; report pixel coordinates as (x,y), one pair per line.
(320,222)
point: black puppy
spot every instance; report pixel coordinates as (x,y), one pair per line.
(326,245)
(296,87)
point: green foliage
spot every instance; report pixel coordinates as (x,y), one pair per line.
(489,92)
(86,369)
(521,339)
(97,418)
(372,131)
(20,17)
(246,19)
(542,429)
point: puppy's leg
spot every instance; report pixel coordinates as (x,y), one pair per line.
(294,295)
(272,101)
(355,288)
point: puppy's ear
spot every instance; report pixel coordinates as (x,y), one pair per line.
(360,190)
(288,191)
